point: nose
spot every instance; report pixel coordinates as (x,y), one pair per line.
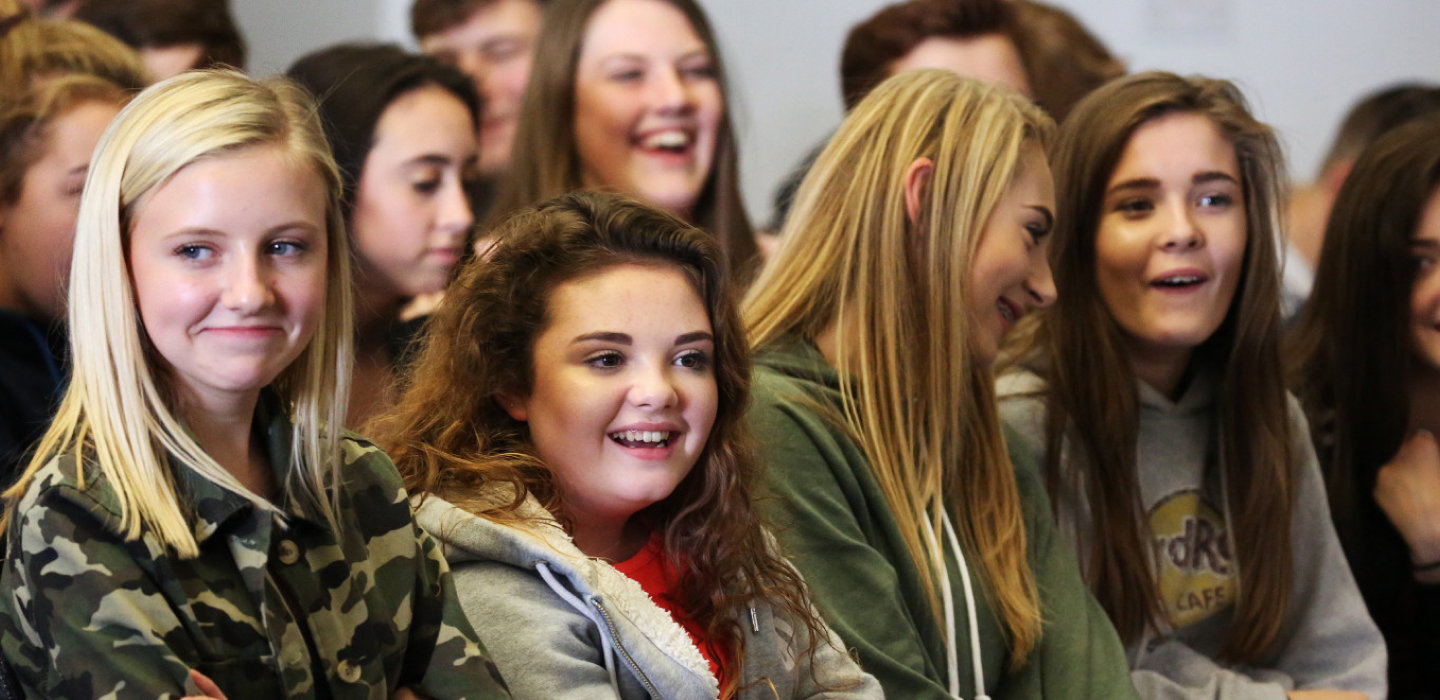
(454,215)
(668,91)
(653,389)
(1181,232)
(247,290)
(1040,285)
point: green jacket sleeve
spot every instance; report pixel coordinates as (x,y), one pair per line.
(1080,654)
(817,506)
(456,664)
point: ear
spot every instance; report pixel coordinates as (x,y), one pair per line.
(515,405)
(917,181)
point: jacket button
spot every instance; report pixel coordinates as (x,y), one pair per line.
(349,672)
(289,553)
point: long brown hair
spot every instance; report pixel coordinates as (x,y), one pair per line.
(545,160)
(461,445)
(1092,400)
(1351,344)
(850,255)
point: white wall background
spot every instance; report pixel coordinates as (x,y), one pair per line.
(1302,62)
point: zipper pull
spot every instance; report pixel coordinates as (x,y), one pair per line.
(754,620)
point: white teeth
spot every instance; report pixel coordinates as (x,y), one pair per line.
(667,140)
(1180,280)
(650,436)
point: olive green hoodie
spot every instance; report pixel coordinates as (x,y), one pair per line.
(833,521)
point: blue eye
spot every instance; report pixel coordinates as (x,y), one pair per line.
(285,248)
(195,251)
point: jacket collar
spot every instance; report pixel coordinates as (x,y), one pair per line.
(538,538)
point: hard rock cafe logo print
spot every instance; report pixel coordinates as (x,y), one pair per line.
(1193,555)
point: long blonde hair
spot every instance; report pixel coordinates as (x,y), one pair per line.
(117,412)
(850,256)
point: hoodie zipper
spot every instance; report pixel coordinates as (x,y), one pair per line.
(615,635)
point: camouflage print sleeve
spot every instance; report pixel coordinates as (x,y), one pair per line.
(457,665)
(80,619)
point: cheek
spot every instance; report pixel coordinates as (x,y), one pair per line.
(704,405)
(1425,299)
(305,295)
(710,109)
(1228,243)
(168,306)
(388,225)
(602,135)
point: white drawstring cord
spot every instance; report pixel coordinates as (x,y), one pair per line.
(952,651)
(952,655)
(584,609)
(975,659)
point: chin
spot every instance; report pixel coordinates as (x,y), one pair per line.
(678,203)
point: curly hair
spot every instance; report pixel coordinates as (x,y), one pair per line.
(463,445)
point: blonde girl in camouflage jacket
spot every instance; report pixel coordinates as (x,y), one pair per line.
(186,512)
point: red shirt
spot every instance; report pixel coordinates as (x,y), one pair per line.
(648,569)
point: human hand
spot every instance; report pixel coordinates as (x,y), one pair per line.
(206,686)
(406,694)
(1326,695)
(1407,488)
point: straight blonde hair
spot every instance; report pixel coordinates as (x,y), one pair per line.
(118,412)
(849,256)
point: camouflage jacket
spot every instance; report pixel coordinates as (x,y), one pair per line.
(86,614)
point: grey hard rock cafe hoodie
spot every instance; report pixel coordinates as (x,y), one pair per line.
(1328,640)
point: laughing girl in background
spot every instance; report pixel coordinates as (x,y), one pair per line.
(185,512)
(591,480)
(402,127)
(917,240)
(1367,370)
(1153,396)
(630,96)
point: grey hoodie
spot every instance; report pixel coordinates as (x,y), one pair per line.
(563,626)
(1328,640)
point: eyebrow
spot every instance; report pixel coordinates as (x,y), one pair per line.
(1424,243)
(434,159)
(1212,176)
(1150,183)
(625,339)
(693,53)
(206,231)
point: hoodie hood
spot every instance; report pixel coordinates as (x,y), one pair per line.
(538,541)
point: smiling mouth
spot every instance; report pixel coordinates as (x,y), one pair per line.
(671,142)
(1179,281)
(643,438)
(1008,311)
